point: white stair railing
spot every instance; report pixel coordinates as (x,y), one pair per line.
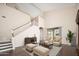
(5,46)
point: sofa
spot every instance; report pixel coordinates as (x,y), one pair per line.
(56,41)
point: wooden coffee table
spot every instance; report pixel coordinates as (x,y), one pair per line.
(49,45)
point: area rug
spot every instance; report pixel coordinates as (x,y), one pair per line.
(54,51)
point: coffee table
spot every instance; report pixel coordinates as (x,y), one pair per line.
(49,45)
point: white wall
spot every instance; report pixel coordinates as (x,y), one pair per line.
(64,18)
(18,40)
(5,33)
(13,19)
(43,25)
(41,21)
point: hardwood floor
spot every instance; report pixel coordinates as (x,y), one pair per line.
(17,52)
(65,51)
(77,51)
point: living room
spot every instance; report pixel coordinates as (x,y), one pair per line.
(42,28)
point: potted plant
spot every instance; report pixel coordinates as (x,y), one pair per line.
(70,36)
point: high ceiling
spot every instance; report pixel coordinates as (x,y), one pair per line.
(35,9)
(52,6)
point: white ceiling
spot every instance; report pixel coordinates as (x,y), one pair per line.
(35,9)
(52,6)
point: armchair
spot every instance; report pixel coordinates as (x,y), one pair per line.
(57,41)
(49,41)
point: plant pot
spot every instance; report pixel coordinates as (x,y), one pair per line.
(68,43)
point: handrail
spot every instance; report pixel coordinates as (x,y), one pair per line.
(21,26)
(14,31)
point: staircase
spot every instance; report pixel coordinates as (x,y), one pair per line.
(5,46)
